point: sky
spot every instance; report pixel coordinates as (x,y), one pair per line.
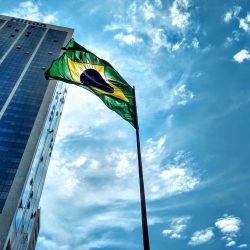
(189,61)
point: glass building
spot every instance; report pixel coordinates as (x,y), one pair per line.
(30,110)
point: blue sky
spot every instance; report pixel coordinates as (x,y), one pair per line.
(189,61)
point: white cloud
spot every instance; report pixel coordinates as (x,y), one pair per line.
(94,164)
(228,16)
(80,161)
(169,120)
(195,43)
(154,189)
(178,95)
(231,243)
(158,3)
(154,148)
(178,180)
(74,123)
(179,13)
(245,23)
(243,246)
(124,163)
(229,225)
(153,220)
(112,27)
(79,186)
(150,23)
(65,177)
(235,36)
(49,19)
(80,232)
(132,10)
(31,11)
(201,237)
(107,241)
(72,180)
(45,243)
(148,11)
(236,10)
(159,39)
(129,39)
(67,130)
(233,13)
(176,46)
(177,227)
(182,95)
(241,56)
(175,177)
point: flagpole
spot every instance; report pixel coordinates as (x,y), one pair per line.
(142,192)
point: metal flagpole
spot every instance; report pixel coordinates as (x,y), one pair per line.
(142,192)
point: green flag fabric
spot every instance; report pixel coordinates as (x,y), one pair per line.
(81,67)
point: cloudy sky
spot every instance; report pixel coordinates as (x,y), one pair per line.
(189,61)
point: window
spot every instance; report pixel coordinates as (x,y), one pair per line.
(31,181)
(8,246)
(31,195)
(21,204)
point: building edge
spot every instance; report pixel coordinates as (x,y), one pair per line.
(49,26)
(10,209)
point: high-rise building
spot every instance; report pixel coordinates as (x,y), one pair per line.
(30,110)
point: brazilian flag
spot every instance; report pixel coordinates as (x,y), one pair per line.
(83,68)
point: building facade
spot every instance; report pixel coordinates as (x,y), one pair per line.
(30,110)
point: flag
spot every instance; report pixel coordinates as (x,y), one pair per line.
(81,67)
